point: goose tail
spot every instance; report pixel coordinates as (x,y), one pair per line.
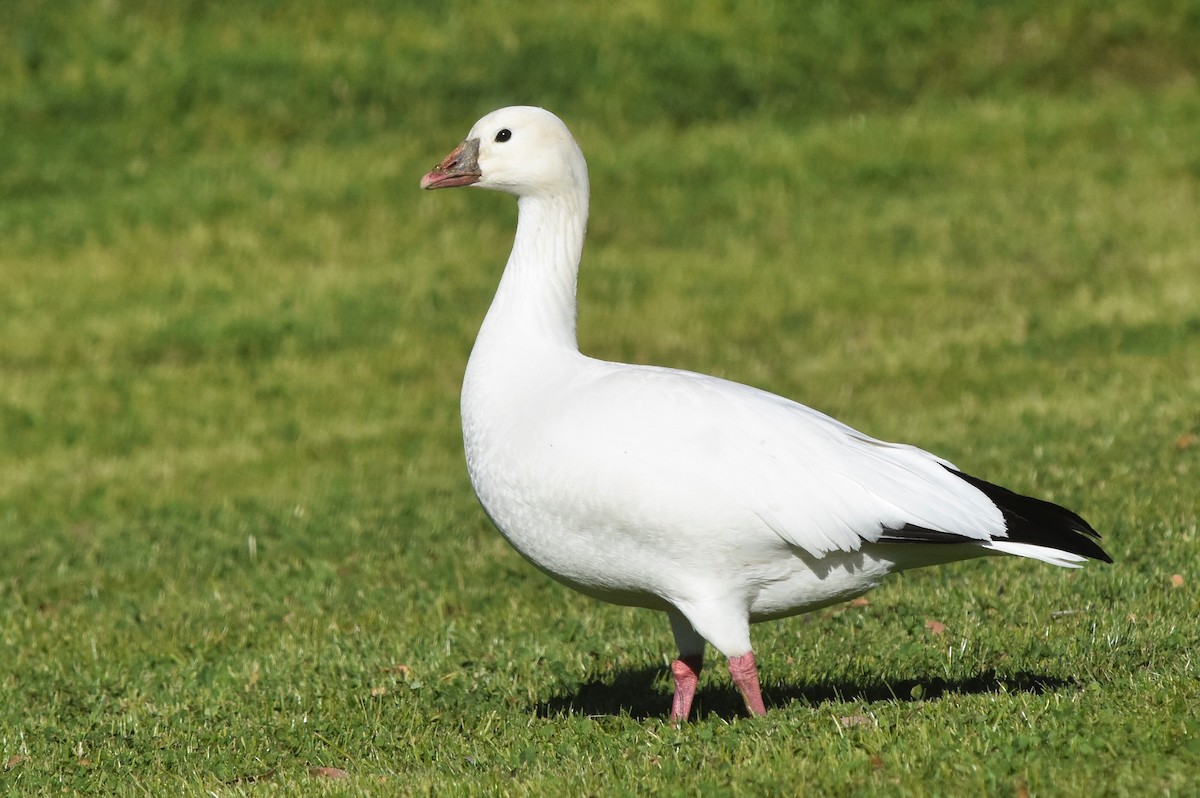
(1039,529)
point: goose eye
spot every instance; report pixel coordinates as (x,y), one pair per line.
(504,135)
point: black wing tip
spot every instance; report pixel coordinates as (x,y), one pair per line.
(1039,522)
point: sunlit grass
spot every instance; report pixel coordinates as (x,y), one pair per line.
(238,539)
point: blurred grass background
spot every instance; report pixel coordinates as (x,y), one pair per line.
(236,537)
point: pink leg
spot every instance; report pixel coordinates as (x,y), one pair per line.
(745,676)
(686,671)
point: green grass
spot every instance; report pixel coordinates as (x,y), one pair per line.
(237,541)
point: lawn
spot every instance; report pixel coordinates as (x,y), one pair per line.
(239,554)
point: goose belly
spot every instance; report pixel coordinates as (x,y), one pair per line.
(576,542)
(658,550)
(802,584)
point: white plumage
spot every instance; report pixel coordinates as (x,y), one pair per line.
(717,503)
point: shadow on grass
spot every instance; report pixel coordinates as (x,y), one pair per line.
(635,694)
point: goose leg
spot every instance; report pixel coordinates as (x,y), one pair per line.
(745,676)
(686,669)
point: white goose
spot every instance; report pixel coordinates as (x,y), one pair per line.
(719,504)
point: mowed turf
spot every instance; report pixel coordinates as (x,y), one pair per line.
(239,554)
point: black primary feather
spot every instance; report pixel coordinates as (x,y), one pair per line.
(1028,520)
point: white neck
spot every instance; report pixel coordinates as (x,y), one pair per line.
(535,303)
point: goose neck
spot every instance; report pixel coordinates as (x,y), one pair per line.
(536,297)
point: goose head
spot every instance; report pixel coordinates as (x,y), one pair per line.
(520,150)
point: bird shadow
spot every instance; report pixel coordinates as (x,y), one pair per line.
(635,693)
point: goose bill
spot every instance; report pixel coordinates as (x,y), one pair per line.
(459,168)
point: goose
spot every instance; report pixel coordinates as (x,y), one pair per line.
(720,504)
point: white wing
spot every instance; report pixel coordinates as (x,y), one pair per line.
(817,483)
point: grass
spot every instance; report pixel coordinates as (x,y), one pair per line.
(237,538)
